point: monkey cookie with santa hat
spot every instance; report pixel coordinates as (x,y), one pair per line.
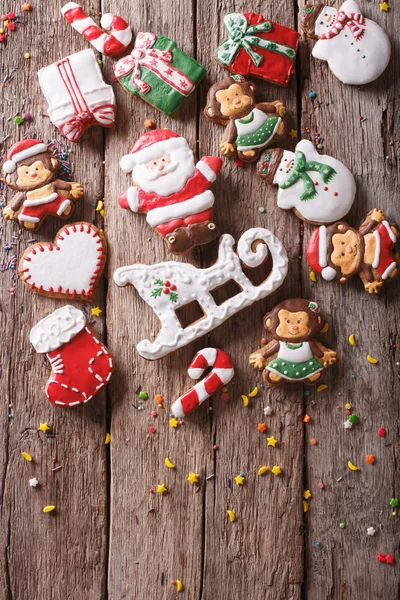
(171,189)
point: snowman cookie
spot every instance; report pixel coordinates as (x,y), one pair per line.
(318,188)
(357,49)
(293,356)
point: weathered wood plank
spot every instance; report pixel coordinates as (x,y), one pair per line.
(61,554)
(345,565)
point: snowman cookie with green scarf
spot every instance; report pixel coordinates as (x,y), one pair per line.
(317,187)
(293,356)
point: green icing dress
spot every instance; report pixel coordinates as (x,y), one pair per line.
(294,362)
(256,130)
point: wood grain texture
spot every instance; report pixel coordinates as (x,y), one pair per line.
(110,537)
(60,554)
(345,565)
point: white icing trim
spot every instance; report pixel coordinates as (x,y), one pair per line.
(106,21)
(192,282)
(27,218)
(57,329)
(68,7)
(63,206)
(206,170)
(389,270)
(377,256)
(391,233)
(132,196)
(27,153)
(127,163)
(40,201)
(80,25)
(323,247)
(157,149)
(180,210)
(328,273)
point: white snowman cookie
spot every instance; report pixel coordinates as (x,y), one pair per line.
(357,49)
(318,188)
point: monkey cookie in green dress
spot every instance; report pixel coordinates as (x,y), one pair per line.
(293,355)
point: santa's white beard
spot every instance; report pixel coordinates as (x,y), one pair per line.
(178,171)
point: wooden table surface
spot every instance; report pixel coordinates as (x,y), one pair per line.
(109,537)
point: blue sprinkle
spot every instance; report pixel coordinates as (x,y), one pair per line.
(354,376)
(318,544)
(313,94)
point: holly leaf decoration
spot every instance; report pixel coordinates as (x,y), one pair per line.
(159,282)
(173,296)
(156,293)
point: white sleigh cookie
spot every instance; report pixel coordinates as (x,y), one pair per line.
(318,188)
(356,49)
(168,286)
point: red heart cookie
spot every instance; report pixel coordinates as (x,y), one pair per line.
(69,268)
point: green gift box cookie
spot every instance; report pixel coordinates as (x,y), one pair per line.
(160,73)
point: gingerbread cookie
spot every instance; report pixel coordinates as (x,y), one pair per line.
(168,286)
(31,171)
(317,187)
(259,47)
(250,127)
(112,39)
(293,355)
(339,251)
(77,94)
(221,374)
(81,365)
(357,49)
(69,268)
(160,73)
(171,190)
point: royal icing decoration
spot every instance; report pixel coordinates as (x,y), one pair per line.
(221,374)
(31,171)
(160,73)
(114,37)
(171,190)
(293,355)
(77,95)
(193,284)
(81,365)
(357,49)
(319,188)
(69,268)
(339,251)
(257,46)
(250,127)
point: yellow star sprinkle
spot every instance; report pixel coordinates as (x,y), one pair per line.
(44,427)
(173,423)
(161,489)
(193,478)
(272,441)
(96,311)
(239,479)
(384,6)
(307,494)
(276,470)
(293,133)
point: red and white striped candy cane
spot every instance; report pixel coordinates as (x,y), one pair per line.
(115,38)
(221,374)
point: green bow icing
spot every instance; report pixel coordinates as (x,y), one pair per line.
(299,172)
(241,36)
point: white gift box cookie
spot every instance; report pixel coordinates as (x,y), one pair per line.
(356,49)
(77,95)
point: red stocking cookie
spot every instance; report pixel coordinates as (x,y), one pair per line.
(31,172)
(293,356)
(250,127)
(171,190)
(81,365)
(69,268)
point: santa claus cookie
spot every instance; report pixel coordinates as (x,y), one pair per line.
(318,188)
(171,189)
(71,267)
(168,286)
(293,356)
(160,73)
(250,127)
(339,251)
(77,94)
(259,47)
(81,366)
(31,171)
(357,49)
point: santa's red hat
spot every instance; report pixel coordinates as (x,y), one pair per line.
(20,151)
(317,253)
(151,146)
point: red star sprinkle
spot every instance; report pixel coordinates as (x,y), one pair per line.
(389,559)
(382,432)
(381,557)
